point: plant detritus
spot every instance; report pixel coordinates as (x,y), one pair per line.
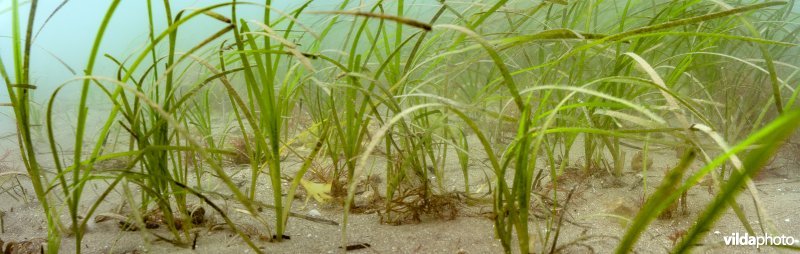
(32,246)
(241,155)
(155,219)
(357,246)
(411,204)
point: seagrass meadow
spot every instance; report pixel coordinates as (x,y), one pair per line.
(493,126)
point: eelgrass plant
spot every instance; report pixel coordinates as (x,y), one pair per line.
(17,82)
(153,123)
(767,141)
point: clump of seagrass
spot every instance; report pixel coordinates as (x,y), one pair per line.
(410,205)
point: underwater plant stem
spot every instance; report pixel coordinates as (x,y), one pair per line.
(81,124)
(20,102)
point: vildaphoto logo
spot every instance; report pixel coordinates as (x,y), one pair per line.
(736,239)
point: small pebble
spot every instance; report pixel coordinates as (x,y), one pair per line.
(787,220)
(717,232)
(314,213)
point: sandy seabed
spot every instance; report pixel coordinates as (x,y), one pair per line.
(592,223)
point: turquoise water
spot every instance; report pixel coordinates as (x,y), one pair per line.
(69,33)
(67,37)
